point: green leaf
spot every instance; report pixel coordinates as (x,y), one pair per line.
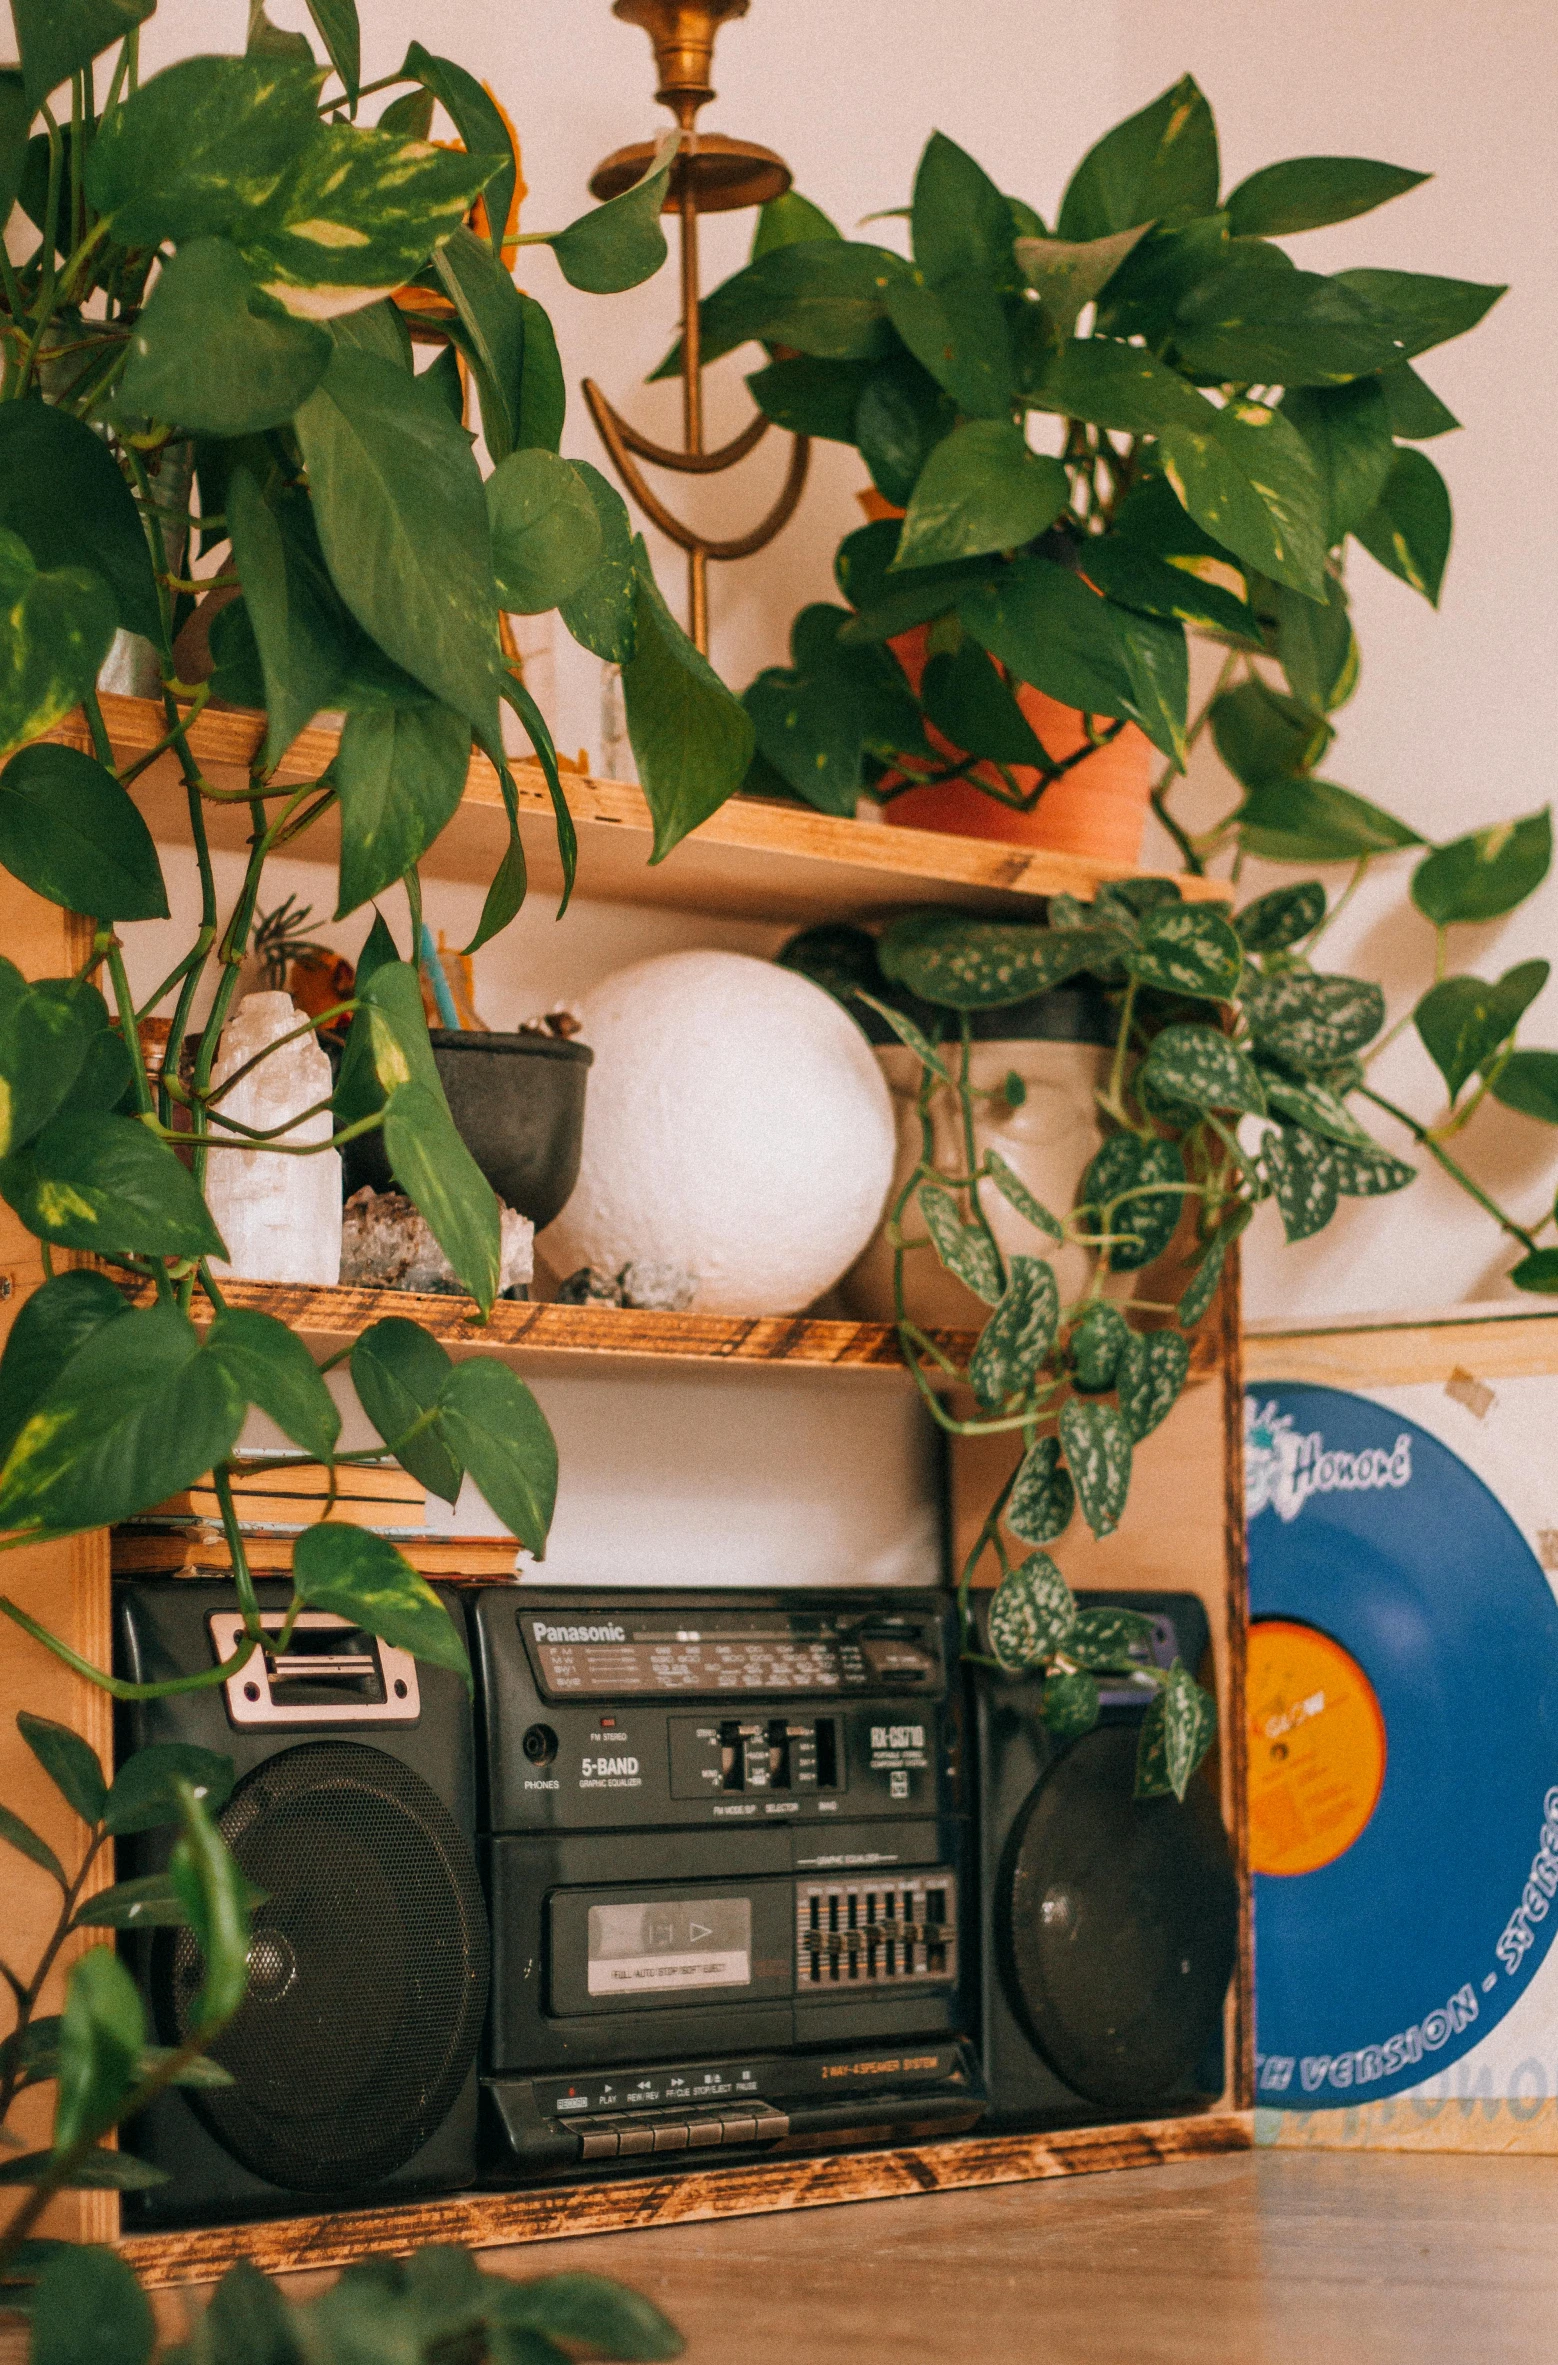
(434,1168)
(1176,1733)
(1153,1368)
(355,211)
(1098,1338)
(1256,326)
(1017,1194)
(1304,820)
(1042,1499)
(900,416)
(1203,1288)
(981,489)
(59,626)
(1308,192)
(1069,274)
(960,331)
(1424,311)
(589,2314)
(1462,1021)
(88,2305)
(50,1035)
(1408,529)
(1123,387)
(151,1903)
(1526,1080)
(1188,949)
(1247,477)
(360,1575)
(1097,1447)
(1310,1023)
(1347,431)
(303,634)
(1314,1104)
(1110,1638)
(216,1900)
(268,40)
(246,2322)
(958,963)
(1284,916)
(602,614)
(402,521)
(70,1763)
(137,1413)
(820,296)
(1416,413)
(1195,1067)
(200,147)
(1138,578)
(1068,1704)
(546,535)
(335,21)
(476,117)
(74,836)
(102,2032)
(212,352)
(1315,645)
(964,1249)
(1537,1272)
(57,38)
(816,720)
(1032,1613)
(692,740)
(907,1032)
(98,2172)
(1485,875)
(272,1368)
(811,397)
(1302,1173)
(620,244)
(15,116)
(146,1792)
(53,1323)
(27,1842)
(399,776)
(400,1372)
(61,490)
(1142,1182)
(106,1184)
(959,220)
(1019,1334)
(1044,625)
(494,316)
(496,1429)
(1160,165)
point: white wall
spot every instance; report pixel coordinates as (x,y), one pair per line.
(1453,723)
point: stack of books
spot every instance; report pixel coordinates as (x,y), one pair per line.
(184,1537)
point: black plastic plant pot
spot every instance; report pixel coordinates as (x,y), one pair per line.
(518,1105)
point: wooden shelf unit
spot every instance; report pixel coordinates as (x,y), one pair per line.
(755,860)
(752,859)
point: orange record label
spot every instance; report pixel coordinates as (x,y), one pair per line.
(1317,1748)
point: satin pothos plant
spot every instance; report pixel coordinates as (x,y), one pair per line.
(199,289)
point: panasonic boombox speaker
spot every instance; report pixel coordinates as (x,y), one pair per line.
(1108,1925)
(354,2055)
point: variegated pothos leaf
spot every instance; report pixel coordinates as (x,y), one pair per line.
(1019,1334)
(963,1248)
(1032,1613)
(1043,1498)
(1097,1447)
(1150,1376)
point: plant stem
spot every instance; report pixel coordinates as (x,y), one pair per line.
(1457,1173)
(115,1685)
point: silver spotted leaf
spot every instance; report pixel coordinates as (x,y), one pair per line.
(1097,1447)
(1195,1067)
(1110,1638)
(1301,1169)
(963,1248)
(1019,1334)
(1143,1183)
(1365,1171)
(1151,1373)
(1032,1613)
(1097,1342)
(907,1032)
(960,963)
(1068,1705)
(1187,948)
(1272,922)
(1042,1499)
(1176,1733)
(1314,1104)
(1307,1023)
(1016,1192)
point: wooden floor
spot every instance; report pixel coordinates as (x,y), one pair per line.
(1253,2259)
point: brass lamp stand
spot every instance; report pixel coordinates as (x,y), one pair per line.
(711,175)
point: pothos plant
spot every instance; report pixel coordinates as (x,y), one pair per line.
(1236,1076)
(198,283)
(83,2301)
(1144,427)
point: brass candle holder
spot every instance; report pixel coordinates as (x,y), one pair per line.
(712,174)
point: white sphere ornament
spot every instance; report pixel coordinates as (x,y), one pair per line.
(737,1125)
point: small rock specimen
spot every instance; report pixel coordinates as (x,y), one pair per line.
(386,1244)
(647,1287)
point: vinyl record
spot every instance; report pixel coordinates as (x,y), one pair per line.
(1403,1707)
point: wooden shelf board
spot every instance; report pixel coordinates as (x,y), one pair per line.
(519,1329)
(750,859)
(489,2221)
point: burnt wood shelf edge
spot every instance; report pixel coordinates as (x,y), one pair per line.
(488,2221)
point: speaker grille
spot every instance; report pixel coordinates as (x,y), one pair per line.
(367,1970)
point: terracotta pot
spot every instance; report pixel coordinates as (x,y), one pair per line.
(1099,809)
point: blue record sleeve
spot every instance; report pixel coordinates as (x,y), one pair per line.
(1381,1968)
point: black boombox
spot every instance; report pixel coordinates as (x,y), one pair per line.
(761,1871)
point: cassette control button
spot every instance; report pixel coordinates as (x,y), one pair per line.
(703,2134)
(771,2124)
(633,2142)
(739,2127)
(598,2143)
(671,2138)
